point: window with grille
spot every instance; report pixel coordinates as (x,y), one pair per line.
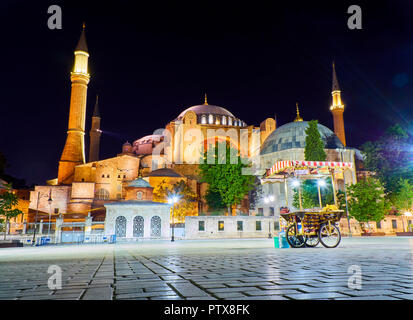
(102,194)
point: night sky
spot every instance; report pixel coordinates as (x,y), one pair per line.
(150,62)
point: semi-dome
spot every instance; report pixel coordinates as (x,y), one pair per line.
(292,135)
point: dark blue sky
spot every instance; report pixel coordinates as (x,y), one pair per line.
(149,62)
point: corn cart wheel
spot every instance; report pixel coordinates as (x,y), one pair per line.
(329,235)
(294,240)
(312,241)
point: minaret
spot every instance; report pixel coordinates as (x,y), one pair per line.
(74,150)
(337,108)
(95,134)
(206,101)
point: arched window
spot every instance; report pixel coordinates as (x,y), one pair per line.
(230,121)
(120,227)
(139,195)
(138,226)
(211,119)
(224,120)
(102,194)
(203,119)
(155,226)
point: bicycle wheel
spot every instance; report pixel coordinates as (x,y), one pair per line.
(294,240)
(329,235)
(312,241)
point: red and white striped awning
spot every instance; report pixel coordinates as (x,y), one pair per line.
(283,165)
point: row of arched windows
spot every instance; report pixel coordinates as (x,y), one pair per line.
(138,227)
(224,120)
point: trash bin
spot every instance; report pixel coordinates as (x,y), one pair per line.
(276,242)
(283,240)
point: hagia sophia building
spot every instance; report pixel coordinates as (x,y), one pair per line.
(85,187)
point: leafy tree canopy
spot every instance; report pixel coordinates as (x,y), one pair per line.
(314,145)
(225,175)
(390,157)
(8,203)
(402,198)
(367,201)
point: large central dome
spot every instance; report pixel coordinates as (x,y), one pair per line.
(292,135)
(207,109)
(212,115)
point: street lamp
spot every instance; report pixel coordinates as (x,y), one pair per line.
(345,190)
(267,200)
(172,200)
(50,200)
(37,211)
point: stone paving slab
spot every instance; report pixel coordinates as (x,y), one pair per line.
(237,270)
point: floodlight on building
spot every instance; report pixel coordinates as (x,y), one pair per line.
(321,183)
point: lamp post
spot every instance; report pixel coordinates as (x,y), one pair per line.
(268,200)
(172,200)
(345,192)
(37,211)
(50,200)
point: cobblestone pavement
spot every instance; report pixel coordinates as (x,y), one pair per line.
(210,269)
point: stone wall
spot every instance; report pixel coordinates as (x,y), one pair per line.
(230,223)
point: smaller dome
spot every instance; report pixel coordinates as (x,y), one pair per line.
(292,135)
(164,172)
(139,183)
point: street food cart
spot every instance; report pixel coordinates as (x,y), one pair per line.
(309,227)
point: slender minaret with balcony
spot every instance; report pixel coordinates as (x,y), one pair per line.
(74,149)
(95,134)
(337,108)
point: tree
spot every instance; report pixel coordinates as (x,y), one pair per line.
(314,151)
(225,174)
(367,201)
(160,192)
(314,145)
(402,198)
(390,157)
(214,200)
(8,202)
(186,206)
(256,194)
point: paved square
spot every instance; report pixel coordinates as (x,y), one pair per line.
(244,269)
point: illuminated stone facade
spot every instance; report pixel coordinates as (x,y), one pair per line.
(83,187)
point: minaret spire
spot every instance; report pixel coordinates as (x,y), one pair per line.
(95,134)
(336,87)
(96,112)
(298,117)
(82,45)
(337,108)
(206,101)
